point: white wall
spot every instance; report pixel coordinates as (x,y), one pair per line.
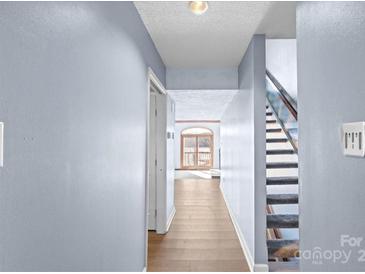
(243,139)
(215,127)
(281,61)
(74,105)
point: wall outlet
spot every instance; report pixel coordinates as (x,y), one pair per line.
(353,139)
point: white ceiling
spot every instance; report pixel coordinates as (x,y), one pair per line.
(217,38)
(201,104)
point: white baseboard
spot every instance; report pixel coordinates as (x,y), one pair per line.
(171,217)
(253,267)
(241,238)
(144,269)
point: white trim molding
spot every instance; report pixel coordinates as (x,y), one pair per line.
(171,217)
(250,261)
(152,77)
(144,269)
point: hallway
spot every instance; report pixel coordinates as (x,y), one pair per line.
(201,236)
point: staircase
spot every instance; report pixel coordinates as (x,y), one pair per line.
(282,197)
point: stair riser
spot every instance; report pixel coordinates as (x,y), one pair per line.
(282,183)
(277,140)
(273,130)
(282,199)
(281,165)
(279,152)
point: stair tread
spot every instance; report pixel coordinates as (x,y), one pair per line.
(269,113)
(282,165)
(276,140)
(273,199)
(282,221)
(282,180)
(273,130)
(290,266)
(270,121)
(283,248)
(279,151)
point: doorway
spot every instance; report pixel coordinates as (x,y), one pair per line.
(197,148)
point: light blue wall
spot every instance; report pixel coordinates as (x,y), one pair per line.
(222,78)
(73,95)
(243,145)
(281,61)
(331,58)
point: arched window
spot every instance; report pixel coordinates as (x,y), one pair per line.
(197,148)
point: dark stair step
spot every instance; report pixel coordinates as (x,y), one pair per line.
(282,165)
(289,266)
(276,140)
(279,151)
(268,113)
(283,248)
(277,199)
(270,121)
(282,181)
(273,130)
(267,107)
(282,221)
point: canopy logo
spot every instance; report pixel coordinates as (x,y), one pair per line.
(351,247)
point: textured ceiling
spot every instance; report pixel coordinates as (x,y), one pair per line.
(217,38)
(201,104)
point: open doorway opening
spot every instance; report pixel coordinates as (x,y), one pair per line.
(156,153)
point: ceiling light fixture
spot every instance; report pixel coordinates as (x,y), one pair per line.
(198,7)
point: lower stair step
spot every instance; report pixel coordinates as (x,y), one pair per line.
(283,248)
(268,113)
(276,140)
(280,199)
(282,165)
(290,266)
(282,181)
(282,221)
(273,130)
(279,151)
(270,121)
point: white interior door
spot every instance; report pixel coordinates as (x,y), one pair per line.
(152,164)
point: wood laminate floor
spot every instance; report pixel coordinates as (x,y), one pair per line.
(201,236)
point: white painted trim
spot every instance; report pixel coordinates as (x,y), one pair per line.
(144,269)
(151,77)
(169,220)
(241,238)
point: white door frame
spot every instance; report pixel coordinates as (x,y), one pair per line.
(152,78)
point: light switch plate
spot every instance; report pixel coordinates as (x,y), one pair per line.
(1,144)
(353,139)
